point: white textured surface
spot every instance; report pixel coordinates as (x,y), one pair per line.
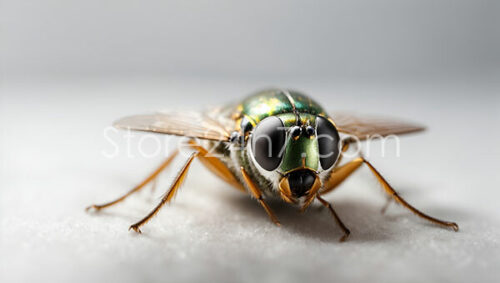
(52,167)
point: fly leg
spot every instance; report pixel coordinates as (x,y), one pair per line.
(177,183)
(216,166)
(337,218)
(168,196)
(150,178)
(336,176)
(258,195)
(341,173)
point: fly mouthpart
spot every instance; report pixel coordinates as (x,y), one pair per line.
(301,181)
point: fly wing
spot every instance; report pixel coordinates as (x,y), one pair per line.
(188,124)
(365,127)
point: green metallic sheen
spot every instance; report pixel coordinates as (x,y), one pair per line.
(274,102)
(287,105)
(296,149)
(305,104)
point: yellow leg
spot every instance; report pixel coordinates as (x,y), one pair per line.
(168,196)
(341,173)
(338,174)
(150,178)
(216,166)
(258,195)
(337,218)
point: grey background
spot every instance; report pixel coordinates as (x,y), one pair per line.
(257,38)
(69,68)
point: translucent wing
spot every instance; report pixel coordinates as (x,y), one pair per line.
(364,127)
(188,124)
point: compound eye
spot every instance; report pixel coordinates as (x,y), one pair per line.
(268,139)
(328,142)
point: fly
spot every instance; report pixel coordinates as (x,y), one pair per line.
(275,143)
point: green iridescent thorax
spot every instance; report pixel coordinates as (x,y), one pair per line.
(276,101)
(303,148)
